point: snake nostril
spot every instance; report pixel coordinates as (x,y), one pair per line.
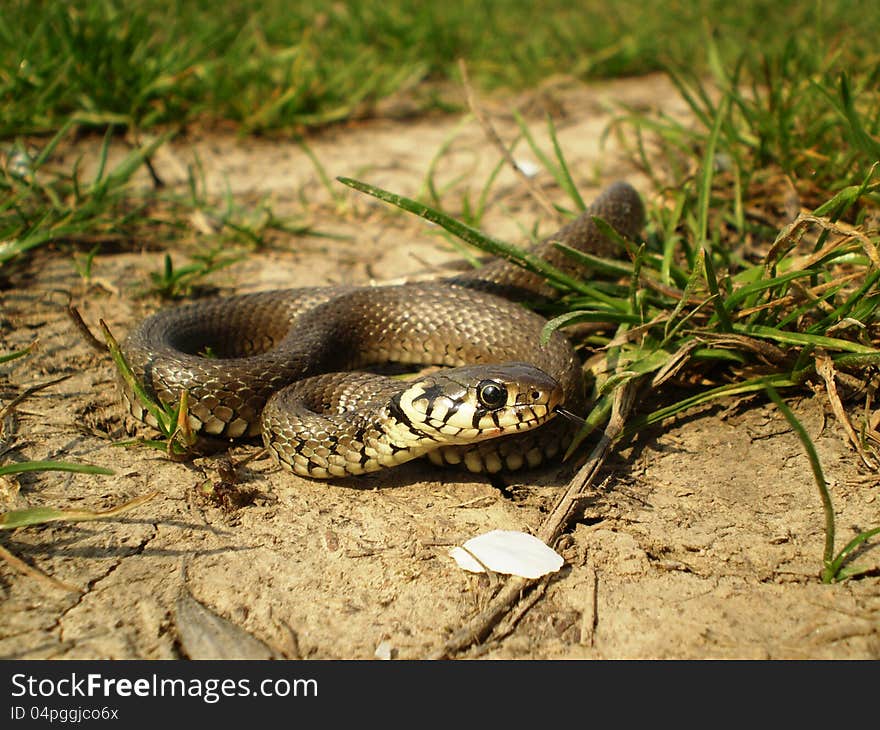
(535,395)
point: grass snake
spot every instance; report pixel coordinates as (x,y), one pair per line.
(289,364)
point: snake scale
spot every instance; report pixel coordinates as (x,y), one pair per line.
(289,364)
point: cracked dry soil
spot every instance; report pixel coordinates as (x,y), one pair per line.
(704,540)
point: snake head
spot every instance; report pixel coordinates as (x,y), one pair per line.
(474,403)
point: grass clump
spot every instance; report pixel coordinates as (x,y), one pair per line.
(43,205)
(280,65)
(40,205)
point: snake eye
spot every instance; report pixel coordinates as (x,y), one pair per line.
(491,394)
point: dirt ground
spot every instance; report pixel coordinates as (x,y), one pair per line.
(704,541)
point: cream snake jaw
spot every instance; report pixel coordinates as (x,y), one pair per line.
(474,403)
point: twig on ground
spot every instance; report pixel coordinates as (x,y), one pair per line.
(18,564)
(84,330)
(825,368)
(506,627)
(558,520)
(134,140)
(7,408)
(589,616)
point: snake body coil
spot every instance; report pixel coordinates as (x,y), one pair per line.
(287,364)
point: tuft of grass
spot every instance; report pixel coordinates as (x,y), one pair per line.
(557,167)
(471,211)
(41,207)
(177,282)
(780,128)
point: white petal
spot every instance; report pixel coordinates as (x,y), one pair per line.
(528,168)
(508,551)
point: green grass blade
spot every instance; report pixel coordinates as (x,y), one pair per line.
(564,177)
(703,204)
(22,467)
(9,356)
(51,146)
(605,266)
(473,236)
(41,515)
(163,418)
(836,570)
(798,338)
(753,385)
(865,141)
(545,161)
(102,157)
(818,476)
(671,325)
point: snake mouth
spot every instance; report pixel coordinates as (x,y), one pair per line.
(520,421)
